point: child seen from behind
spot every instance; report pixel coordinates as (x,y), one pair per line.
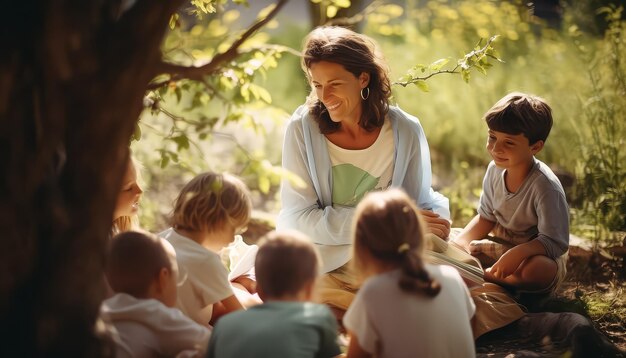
(286,325)
(405,308)
(142,271)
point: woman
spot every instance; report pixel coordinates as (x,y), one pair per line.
(346,141)
(127,205)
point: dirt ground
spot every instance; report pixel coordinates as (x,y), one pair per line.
(595,288)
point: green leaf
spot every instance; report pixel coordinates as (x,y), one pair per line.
(342,3)
(137,133)
(437,65)
(480,69)
(422,85)
(331,11)
(165,159)
(264,184)
(181,141)
(245,92)
(465,74)
(174,21)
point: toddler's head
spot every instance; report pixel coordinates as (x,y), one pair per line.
(286,266)
(212,202)
(389,233)
(144,266)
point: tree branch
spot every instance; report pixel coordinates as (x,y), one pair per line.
(180,72)
(424,78)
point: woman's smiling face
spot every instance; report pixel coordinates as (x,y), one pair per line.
(129,195)
(338,89)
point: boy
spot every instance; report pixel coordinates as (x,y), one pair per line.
(286,325)
(142,270)
(523,203)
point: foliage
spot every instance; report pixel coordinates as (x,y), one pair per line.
(477,59)
(462,193)
(601,186)
(187,112)
(186,117)
(204,117)
(329,8)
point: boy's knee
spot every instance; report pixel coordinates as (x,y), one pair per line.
(538,269)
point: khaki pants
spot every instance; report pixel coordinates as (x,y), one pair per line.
(337,288)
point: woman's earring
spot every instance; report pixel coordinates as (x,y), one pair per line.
(365,94)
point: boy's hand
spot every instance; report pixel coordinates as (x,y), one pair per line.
(462,243)
(436,224)
(247,283)
(507,264)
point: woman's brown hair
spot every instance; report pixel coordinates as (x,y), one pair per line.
(357,54)
(389,228)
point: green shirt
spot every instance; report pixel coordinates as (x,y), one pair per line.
(276,329)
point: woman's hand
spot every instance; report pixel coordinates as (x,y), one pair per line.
(436,224)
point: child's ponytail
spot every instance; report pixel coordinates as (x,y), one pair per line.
(389,232)
(415,278)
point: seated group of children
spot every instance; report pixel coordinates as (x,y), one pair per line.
(171,290)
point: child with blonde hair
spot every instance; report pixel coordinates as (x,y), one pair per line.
(287,324)
(142,270)
(207,214)
(405,308)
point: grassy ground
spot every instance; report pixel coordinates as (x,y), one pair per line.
(595,288)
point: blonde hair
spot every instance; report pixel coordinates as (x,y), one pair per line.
(389,229)
(129,223)
(285,263)
(212,201)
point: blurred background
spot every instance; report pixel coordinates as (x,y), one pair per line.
(569,52)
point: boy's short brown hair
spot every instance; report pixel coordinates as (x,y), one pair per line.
(521,113)
(134,262)
(285,263)
(211,201)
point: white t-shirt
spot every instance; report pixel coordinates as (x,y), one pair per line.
(357,172)
(148,328)
(204,278)
(389,322)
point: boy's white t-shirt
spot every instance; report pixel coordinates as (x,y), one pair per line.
(148,328)
(203,279)
(389,322)
(357,172)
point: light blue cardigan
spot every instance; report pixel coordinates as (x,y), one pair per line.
(310,209)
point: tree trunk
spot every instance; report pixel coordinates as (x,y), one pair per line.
(72,78)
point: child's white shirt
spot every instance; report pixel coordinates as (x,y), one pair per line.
(148,328)
(389,322)
(203,279)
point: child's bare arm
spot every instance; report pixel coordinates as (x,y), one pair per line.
(509,262)
(246,283)
(355,350)
(227,305)
(477,228)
